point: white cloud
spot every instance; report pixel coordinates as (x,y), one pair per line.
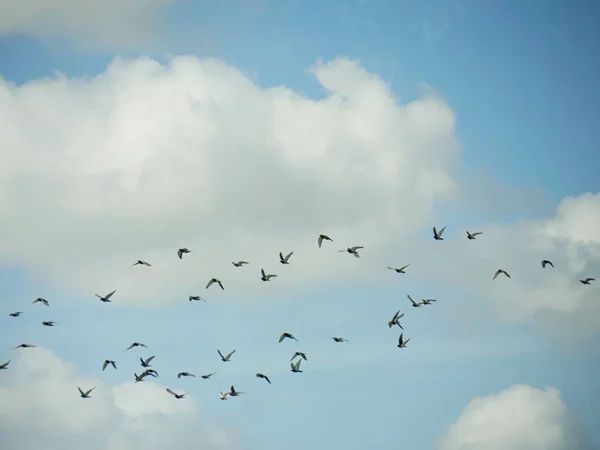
(129,22)
(518,418)
(145,158)
(41,407)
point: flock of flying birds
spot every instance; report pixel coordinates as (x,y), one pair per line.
(297,357)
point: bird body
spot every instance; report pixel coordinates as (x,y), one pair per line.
(107,363)
(323,237)
(285,260)
(15,314)
(214,280)
(472,236)
(546,262)
(183,251)
(227,357)
(396,319)
(399,270)
(353,250)
(185,374)
(437,235)
(266,277)
(401,342)
(106,298)
(239,263)
(288,336)
(139,262)
(85,394)
(137,344)
(48,323)
(264,377)
(295,367)
(176,395)
(587,280)
(340,339)
(42,301)
(500,271)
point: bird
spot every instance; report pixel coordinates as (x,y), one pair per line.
(587,280)
(296,367)
(4,365)
(139,262)
(239,263)
(472,236)
(137,344)
(266,277)
(401,342)
(498,272)
(285,260)
(300,354)
(427,301)
(185,374)
(208,375)
(323,237)
(41,300)
(353,250)
(226,357)
(183,251)
(85,394)
(177,396)
(106,298)
(545,262)
(233,392)
(48,323)
(196,297)
(437,235)
(214,280)
(146,362)
(400,270)
(264,377)
(108,362)
(24,346)
(144,374)
(287,335)
(396,320)
(414,304)
(340,339)
(16,313)
(223,395)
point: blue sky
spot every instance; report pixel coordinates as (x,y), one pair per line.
(521,79)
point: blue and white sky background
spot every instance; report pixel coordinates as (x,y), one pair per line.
(239,129)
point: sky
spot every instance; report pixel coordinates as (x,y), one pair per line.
(247,128)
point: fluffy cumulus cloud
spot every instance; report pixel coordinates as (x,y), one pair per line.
(41,407)
(518,418)
(146,158)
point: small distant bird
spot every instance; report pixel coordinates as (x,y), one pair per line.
(396,320)
(545,262)
(108,362)
(427,301)
(340,339)
(141,263)
(16,314)
(185,374)
(24,346)
(182,251)
(85,394)
(472,236)
(196,297)
(264,377)
(239,263)
(414,304)
(498,272)
(353,250)
(41,300)
(48,323)
(223,395)
(400,270)
(300,354)
(288,336)
(401,342)
(587,280)
(285,260)
(234,393)
(214,280)
(437,235)
(226,357)
(150,372)
(208,375)
(323,237)
(146,362)
(137,344)
(296,367)
(106,298)
(4,365)
(174,394)
(266,277)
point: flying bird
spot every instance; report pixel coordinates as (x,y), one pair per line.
(196,297)
(285,260)
(498,272)
(400,270)
(427,301)
(146,362)
(587,280)
(4,365)
(16,314)
(85,394)
(137,344)
(266,277)
(545,262)
(323,237)
(106,298)
(108,362)
(226,357)
(185,374)
(182,251)
(141,263)
(414,304)
(396,320)
(437,235)
(288,336)
(264,377)
(340,339)
(174,394)
(353,250)
(24,346)
(472,236)
(41,300)
(300,354)
(208,375)
(223,395)
(214,280)
(296,367)
(48,323)
(239,263)
(401,342)
(233,392)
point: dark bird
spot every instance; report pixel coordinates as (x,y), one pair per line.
(437,235)
(141,263)
(137,344)
(427,301)
(396,320)
(414,304)
(587,280)
(85,394)
(285,260)
(16,314)
(185,374)
(472,236)
(300,354)
(288,336)
(4,365)
(226,357)
(353,250)
(48,323)
(108,362)
(401,342)
(340,339)
(196,297)
(296,366)
(182,251)
(234,393)
(208,375)
(498,272)
(545,262)
(400,270)
(106,298)
(146,362)
(266,277)
(239,263)
(264,377)
(323,237)
(41,300)
(214,280)
(24,346)
(177,396)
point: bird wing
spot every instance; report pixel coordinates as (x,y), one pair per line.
(171,392)
(229,354)
(410,298)
(506,273)
(267,378)
(281,258)
(220,284)
(435,233)
(146,263)
(262,272)
(106,363)
(282,337)
(220,354)
(89,391)
(402,268)
(498,272)
(110,294)
(209,284)
(441,232)
(320,241)
(179,253)
(288,255)
(130,347)
(477,233)
(80,391)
